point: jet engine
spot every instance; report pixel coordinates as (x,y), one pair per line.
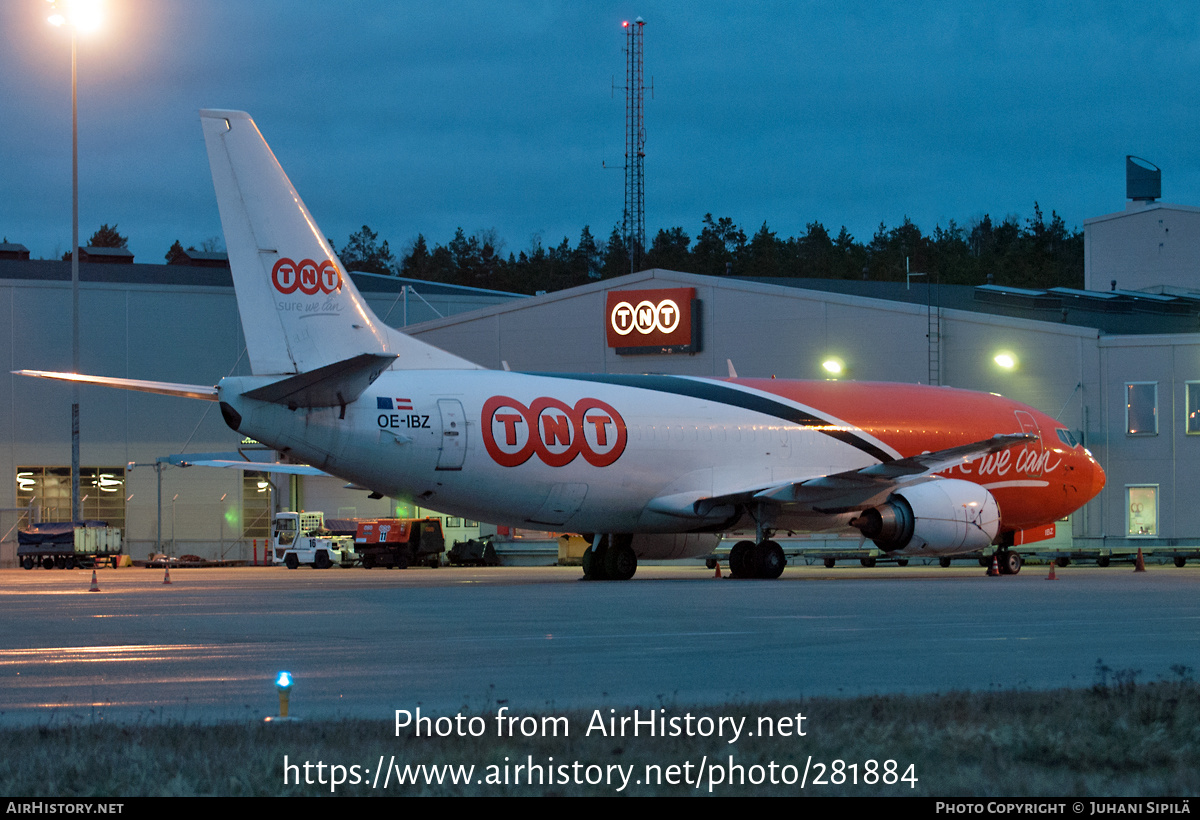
(939,517)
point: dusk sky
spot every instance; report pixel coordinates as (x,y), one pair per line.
(421,118)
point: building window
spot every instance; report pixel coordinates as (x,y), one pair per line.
(101,493)
(1141,408)
(256,505)
(1141,510)
(1192,391)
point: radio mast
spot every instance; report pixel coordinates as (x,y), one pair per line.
(635,146)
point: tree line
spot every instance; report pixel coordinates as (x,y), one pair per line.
(1032,253)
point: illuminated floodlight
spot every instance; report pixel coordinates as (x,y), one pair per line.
(1005,360)
(834,367)
(82,15)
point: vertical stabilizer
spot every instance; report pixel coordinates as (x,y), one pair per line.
(299,309)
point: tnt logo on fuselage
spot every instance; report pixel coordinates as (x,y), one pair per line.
(552,430)
(306,276)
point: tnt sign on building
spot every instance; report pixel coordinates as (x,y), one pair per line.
(666,320)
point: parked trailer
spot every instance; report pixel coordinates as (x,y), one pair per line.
(65,545)
(400,542)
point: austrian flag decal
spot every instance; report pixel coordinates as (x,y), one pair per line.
(306,276)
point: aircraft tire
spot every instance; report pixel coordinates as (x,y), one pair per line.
(740,556)
(769,560)
(1010,562)
(595,562)
(620,563)
(291,561)
(944,561)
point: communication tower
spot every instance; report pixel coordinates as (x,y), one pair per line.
(635,146)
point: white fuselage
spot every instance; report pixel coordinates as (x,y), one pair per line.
(557,452)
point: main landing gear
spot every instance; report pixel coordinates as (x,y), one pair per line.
(762,560)
(610,558)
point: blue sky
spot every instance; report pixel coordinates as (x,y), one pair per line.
(421,118)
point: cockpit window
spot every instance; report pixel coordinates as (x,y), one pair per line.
(1066,438)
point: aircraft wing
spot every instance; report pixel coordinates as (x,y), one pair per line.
(866,487)
(187,391)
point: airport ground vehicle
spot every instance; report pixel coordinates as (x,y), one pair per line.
(66,546)
(301,538)
(400,542)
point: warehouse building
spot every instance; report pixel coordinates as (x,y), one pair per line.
(1120,366)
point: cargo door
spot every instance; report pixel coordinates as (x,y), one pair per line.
(454,435)
(563,502)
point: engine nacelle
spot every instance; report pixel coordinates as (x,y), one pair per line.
(939,517)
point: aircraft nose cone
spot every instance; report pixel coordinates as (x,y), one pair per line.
(1098,478)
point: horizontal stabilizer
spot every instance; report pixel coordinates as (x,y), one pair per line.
(256,466)
(334,384)
(187,391)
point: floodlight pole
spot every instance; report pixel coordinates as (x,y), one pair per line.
(76,513)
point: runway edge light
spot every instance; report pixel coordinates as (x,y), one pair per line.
(283,684)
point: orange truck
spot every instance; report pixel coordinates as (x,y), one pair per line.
(400,542)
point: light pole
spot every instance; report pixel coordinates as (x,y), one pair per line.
(78,15)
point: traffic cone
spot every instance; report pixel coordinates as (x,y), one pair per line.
(994,569)
(166,574)
(718,573)
(1140,566)
(95,584)
(1052,576)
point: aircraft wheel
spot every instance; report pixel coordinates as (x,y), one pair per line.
(830,563)
(769,560)
(1179,561)
(739,560)
(595,561)
(944,561)
(291,562)
(620,563)
(1010,563)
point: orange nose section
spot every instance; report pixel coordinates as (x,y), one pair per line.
(1098,478)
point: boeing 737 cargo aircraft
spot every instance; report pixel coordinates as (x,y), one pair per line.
(646,466)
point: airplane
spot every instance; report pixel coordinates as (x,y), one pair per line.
(644,466)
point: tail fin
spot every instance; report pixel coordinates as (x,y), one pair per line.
(299,309)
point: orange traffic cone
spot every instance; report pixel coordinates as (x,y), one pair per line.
(95,585)
(1052,576)
(994,569)
(166,574)
(1140,566)
(718,573)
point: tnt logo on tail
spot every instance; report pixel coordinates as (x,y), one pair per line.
(553,430)
(307,276)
